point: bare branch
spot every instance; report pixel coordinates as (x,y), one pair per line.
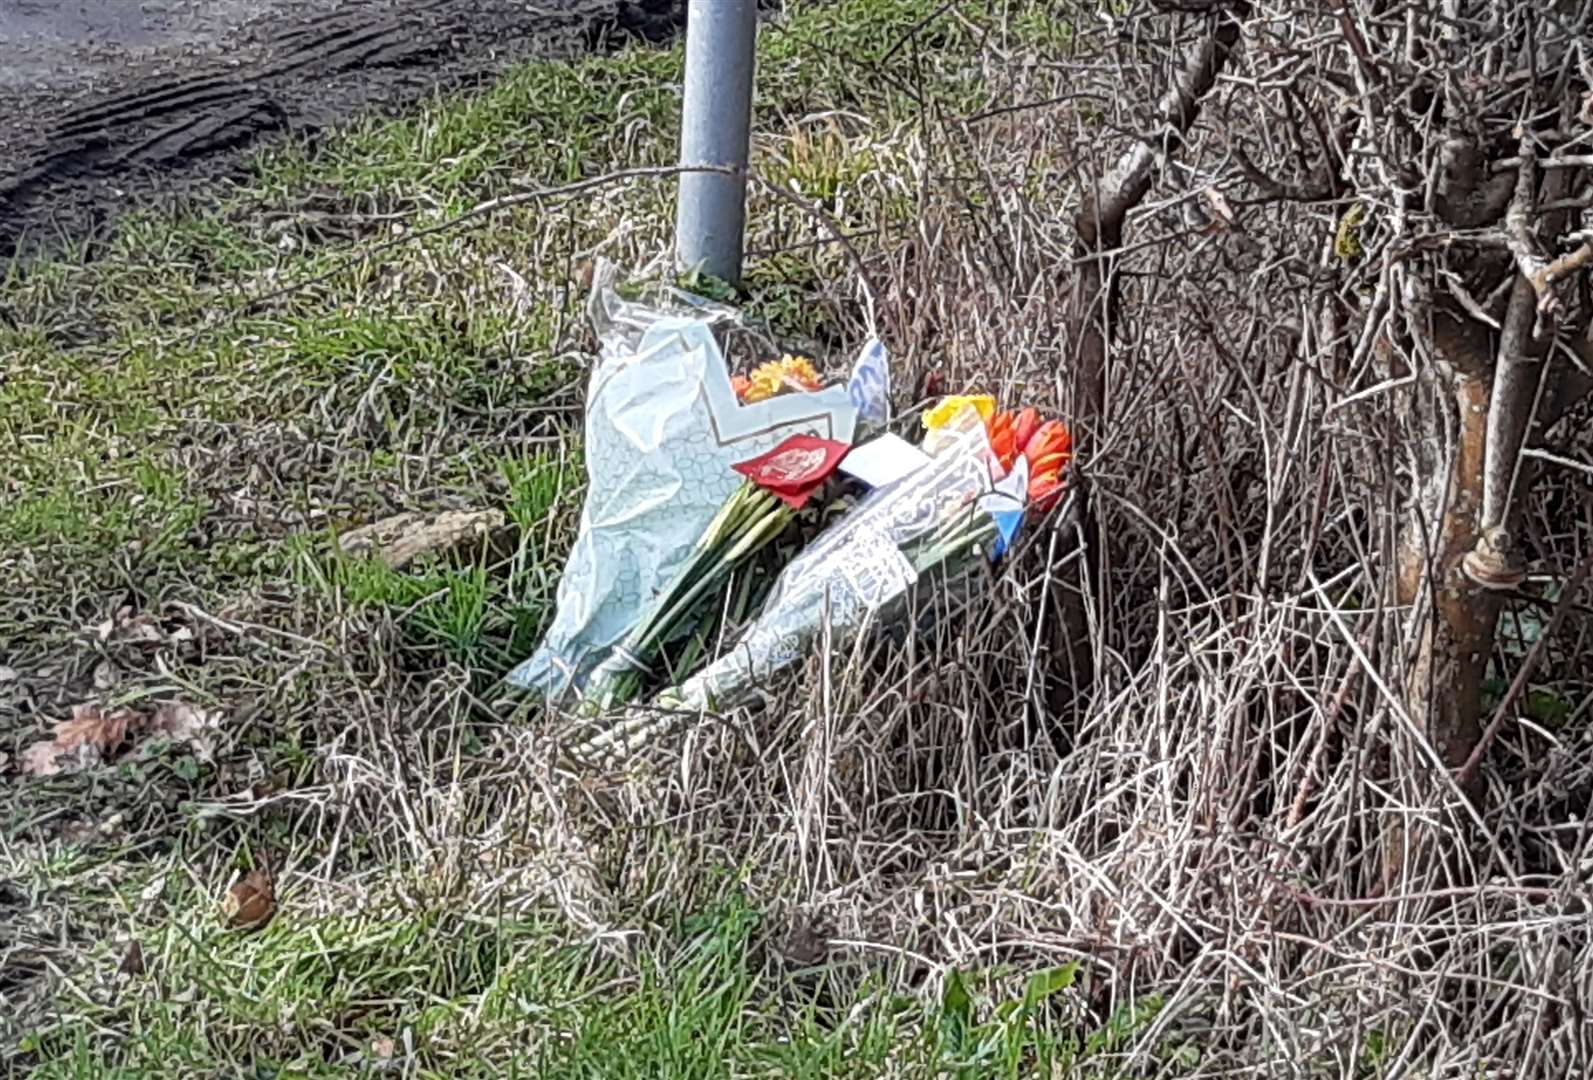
(1101,223)
(1565,266)
(1518,223)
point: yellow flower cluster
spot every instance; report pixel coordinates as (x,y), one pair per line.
(775,377)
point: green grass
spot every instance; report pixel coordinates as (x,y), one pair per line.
(172,445)
(444,993)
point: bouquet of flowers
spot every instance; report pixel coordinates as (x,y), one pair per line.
(664,425)
(777,484)
(964,500)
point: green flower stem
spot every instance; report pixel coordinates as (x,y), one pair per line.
(957,537)
(750,519)
(759,531)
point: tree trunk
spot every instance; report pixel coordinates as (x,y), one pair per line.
(1452,617)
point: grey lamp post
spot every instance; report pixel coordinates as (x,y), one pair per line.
(716,122)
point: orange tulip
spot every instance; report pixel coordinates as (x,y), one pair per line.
(1004,442)
(1044,491)
(1027,422)
(1010,433)
(1048,451)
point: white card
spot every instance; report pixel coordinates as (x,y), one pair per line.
(883,460)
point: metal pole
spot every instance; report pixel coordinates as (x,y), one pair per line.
(716,122)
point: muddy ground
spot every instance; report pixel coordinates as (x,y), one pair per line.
(106,103)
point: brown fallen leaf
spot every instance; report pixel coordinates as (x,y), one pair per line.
(251,901)
(39,759)
(82,741)
(124,626)
(92,726)
(182,723)
(403,538)
(132,960)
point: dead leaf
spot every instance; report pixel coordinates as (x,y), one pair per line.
(251,901)
(104,675)
(90,726)
(182,723)
(81,742)
(124,626)
(105,629)
(806,942)
(133,960)
(401,539)
(39,759)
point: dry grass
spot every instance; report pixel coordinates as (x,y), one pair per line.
(1197,825)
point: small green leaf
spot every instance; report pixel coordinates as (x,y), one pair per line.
(1548,709)
(956,1012)
(1051,981)
(955,1000)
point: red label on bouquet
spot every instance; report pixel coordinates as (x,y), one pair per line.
(795,469)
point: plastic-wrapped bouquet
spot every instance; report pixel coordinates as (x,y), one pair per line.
(777,485)
(944,515)
(962,500)
(665,423)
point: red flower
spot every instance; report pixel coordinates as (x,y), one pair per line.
(1003,438)
(1048,450)
(1010,434)
(1027,423)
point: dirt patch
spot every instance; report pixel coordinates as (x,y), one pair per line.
(105,102)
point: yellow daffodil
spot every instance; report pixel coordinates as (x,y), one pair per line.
(948,409)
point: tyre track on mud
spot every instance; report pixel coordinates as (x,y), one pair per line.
(292,71)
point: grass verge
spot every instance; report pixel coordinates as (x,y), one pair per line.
(188,419)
